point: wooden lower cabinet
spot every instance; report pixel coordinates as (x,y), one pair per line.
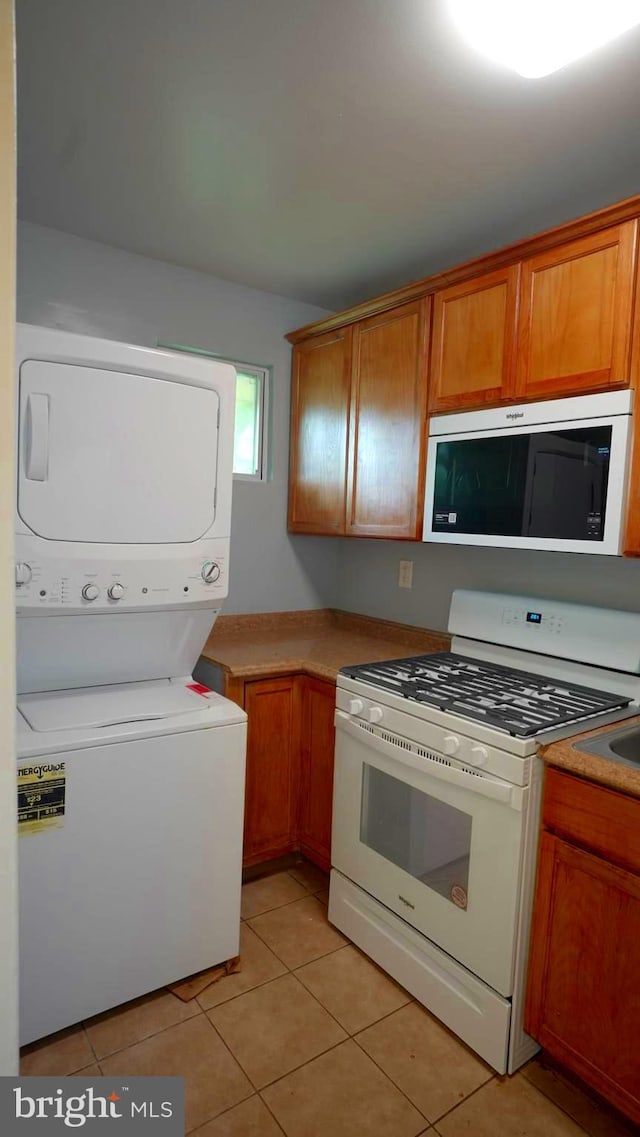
(273,733)
(289,782)
(583,1002)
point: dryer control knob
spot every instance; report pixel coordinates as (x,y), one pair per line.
(451,744)
(91,592)
(356,706)
(210,571)
(23,573)
(478,755)
(115,591)
(374,714)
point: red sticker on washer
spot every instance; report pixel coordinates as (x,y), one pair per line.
(199,689)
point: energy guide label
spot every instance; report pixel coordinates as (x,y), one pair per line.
(41,797)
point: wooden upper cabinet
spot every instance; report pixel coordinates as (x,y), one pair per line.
(472,355)
(385,484)
(574,330)
(321,380)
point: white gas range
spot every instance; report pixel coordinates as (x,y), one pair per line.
(437,798)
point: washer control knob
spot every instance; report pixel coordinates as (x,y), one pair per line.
(23,573)
(478,755)
(451,744)
(374,714)
(356,706)
(115,591)
(210,572)
(91,592)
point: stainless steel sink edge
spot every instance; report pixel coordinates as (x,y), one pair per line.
(621,746)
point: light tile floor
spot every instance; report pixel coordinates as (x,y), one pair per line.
(311,1039)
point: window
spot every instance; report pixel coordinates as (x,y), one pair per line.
(250,441)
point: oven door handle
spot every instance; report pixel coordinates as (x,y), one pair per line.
(513,796)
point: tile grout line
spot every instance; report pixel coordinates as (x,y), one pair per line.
(394,1084)
(145,1037)
(91,1046)
(351,1038)
(271,1113)
(267,1085)
(492,1077)
(232,998)
(287,904)
(239,1064)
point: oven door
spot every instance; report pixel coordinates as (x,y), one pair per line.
(435,841)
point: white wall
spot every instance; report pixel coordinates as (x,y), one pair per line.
(8,871)
(368,578)
(67,282)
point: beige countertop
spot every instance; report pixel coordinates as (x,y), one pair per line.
(317,643)
(593,766)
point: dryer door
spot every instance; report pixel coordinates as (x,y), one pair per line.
(115,458)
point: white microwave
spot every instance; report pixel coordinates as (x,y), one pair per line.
(534,476)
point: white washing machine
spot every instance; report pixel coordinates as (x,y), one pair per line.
(130,775)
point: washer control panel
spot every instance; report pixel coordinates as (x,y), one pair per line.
(85,585)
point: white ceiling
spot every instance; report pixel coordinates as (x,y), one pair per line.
(321,149)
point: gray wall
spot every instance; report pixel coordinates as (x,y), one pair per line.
(368,578)
(67,282)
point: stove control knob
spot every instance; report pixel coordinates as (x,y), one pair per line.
(91,592)
(374,714)
(115,591)
(451,744)
(478,756)
(356,706)
(23,573)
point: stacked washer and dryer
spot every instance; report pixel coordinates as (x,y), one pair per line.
(130,775)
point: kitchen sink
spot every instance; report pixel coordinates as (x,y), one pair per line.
(621,746)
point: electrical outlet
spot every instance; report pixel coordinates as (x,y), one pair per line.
(405,574)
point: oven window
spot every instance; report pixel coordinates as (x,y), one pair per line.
(549,484)
(419,833)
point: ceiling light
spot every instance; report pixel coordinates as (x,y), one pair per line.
(540,36)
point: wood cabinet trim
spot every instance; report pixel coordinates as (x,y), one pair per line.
(611,215)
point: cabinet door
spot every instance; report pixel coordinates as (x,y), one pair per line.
(319,433)
(385,492)
(575,315)
(273,745)
(584,980)
(472,357)
(316,770)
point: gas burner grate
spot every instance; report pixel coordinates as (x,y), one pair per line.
(519,702)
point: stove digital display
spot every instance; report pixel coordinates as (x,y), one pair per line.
(534,617)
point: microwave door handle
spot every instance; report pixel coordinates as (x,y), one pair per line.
(513,796)
(37,437)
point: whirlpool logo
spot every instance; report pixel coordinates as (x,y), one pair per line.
(49,1105)
(512,415)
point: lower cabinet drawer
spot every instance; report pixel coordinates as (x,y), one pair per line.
(596,818)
